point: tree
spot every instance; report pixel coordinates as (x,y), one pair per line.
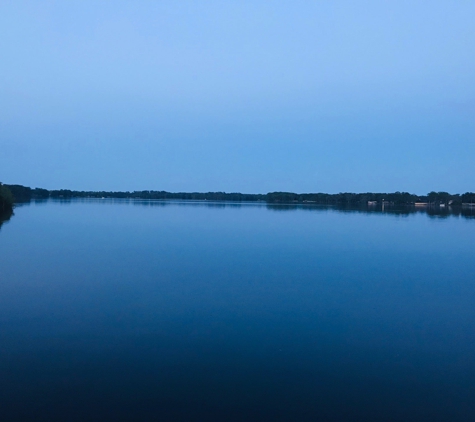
(6,199)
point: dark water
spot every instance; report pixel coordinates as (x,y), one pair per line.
(190,312)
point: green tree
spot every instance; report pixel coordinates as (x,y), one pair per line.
(6,199)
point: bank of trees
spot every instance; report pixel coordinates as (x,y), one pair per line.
(23,193)
(6,199)
(6,204)
(342,198)
(348,198)
(150,194)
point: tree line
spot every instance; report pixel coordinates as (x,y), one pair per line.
(6,199)
(23,193)
(349,198)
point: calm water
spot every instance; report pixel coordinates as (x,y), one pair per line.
(190,312)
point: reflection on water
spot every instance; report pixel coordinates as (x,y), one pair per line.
(5,216)
(190,311)
(431,211)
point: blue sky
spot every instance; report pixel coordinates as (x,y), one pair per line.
(238,96)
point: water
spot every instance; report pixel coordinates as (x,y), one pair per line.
(112,310)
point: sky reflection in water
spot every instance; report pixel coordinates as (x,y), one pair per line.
(178,311)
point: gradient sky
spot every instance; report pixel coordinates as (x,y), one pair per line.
(249,96)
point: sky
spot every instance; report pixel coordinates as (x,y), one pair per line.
(238,96)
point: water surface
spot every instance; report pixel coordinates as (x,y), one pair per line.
(113,310)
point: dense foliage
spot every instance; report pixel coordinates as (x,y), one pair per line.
(22,193)
(397,198)
(6,199)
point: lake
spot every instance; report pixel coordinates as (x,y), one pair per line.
(175,311)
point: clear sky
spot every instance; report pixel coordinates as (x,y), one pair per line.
(249,96)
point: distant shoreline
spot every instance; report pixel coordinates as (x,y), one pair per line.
(440,199)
